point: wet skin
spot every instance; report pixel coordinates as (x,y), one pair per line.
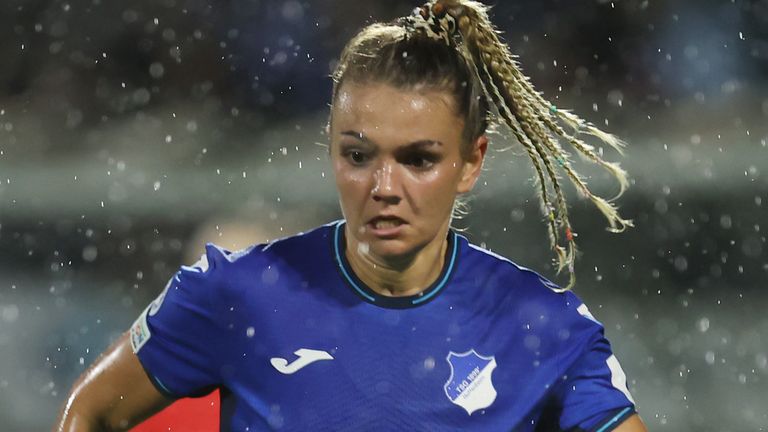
(397,160)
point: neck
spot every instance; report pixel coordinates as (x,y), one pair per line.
(398,276)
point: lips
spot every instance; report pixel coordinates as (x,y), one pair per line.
(386,221)
(386,225)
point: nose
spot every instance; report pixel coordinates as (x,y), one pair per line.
(386,184)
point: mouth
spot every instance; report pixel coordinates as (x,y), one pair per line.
(385,225)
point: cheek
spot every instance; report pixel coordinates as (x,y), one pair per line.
(438,188)
(352,184)
(350,178)
(442,177)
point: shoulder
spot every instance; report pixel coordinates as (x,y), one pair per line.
(526,296)
(315,241)
(500,273)
(217,260)
(260,264)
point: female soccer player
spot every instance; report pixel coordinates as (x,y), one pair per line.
(388,319)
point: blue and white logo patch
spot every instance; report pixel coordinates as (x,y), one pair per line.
(470,385)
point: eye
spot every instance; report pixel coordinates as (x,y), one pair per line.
(421,161)
(355,157)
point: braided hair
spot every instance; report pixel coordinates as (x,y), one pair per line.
(451,45)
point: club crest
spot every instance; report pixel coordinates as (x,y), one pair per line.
(470,385)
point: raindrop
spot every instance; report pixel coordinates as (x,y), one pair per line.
(270,275)
(681,263)
(761,360)
(141,96)
(615,97)
(726,222)
(660,206)
(752,247)
(74,118)
(129,16)
(169,35)
(9,313)
(156,70)
(532,342)
(292,10)
(429,363)
(517,215)
(90,253)
(703,324)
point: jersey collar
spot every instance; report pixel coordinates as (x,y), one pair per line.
(371,296)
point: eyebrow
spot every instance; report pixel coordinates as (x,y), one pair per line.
(415,144)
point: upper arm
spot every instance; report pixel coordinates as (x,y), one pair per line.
(167,354)
(115,393)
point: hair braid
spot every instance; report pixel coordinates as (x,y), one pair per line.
(617,224)
(538,157)
(514,78)
(532,119)
(546,147)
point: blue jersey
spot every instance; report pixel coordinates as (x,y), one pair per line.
(296,342)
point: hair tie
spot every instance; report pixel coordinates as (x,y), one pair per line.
(434,21)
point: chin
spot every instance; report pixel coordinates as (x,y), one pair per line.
(389,249)
(402,245)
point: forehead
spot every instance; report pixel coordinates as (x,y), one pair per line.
(384,110)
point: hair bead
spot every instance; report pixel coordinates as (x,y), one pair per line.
(438,9)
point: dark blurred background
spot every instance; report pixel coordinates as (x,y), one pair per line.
(133,132)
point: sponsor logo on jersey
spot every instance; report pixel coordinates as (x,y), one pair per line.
(470,385)
(306,356)
(140,332)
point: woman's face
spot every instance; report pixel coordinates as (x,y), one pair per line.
(398,165)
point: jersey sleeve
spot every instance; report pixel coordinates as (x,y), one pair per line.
(593,394)
(176,336)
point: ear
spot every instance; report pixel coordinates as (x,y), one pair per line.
(473,165)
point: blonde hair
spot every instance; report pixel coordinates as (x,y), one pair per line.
(452,45)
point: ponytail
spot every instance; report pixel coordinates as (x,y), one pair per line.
(538,125)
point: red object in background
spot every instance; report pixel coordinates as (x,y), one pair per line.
(186,415)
